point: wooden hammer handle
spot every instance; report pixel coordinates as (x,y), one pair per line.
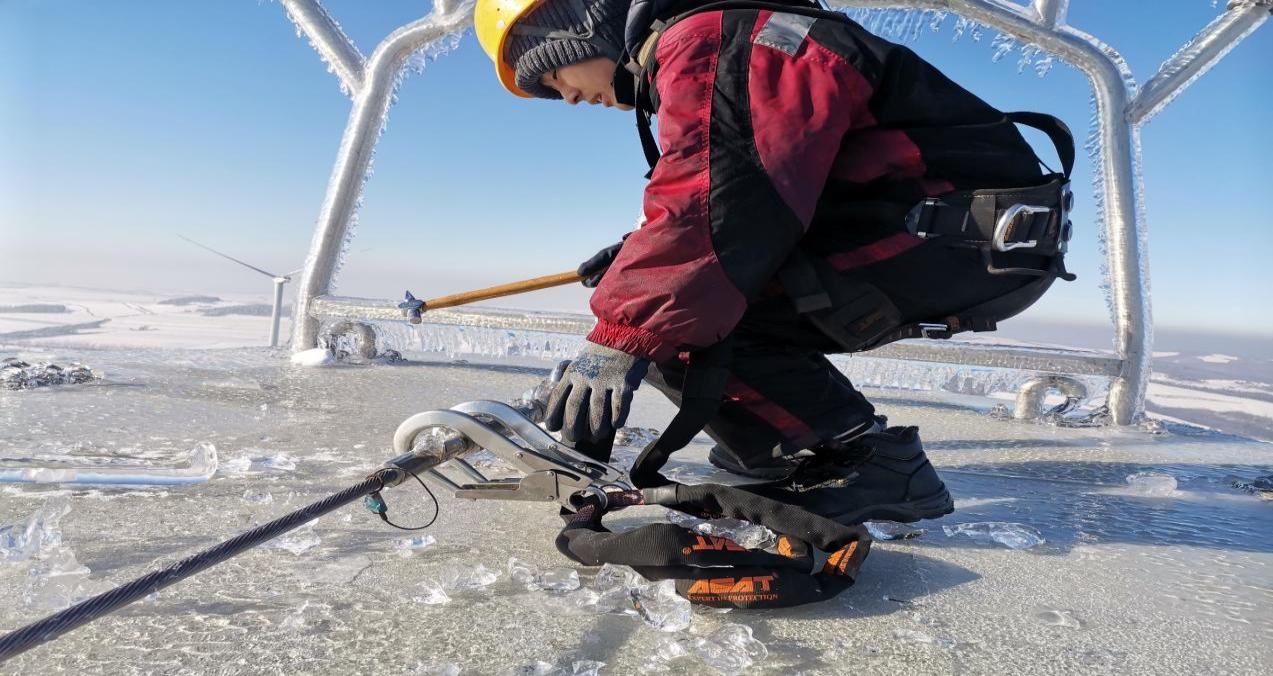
(560,279)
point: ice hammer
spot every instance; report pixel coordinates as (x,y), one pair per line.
(413,307)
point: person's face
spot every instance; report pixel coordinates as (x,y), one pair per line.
(590,82)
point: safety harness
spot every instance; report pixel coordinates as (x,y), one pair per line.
(858,315)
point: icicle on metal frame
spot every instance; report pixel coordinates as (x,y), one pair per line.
(1042,24)
(372,92)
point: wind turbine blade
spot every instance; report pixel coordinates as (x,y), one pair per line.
(289,275)
(246,265)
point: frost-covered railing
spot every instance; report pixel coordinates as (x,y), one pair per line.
(1121,109)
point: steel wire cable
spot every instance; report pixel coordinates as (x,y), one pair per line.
(53,626)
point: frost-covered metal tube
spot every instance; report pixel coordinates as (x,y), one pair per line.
(344,192)
(1052,12)
(331,43)
(1198,56)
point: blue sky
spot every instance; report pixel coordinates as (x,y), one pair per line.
(125,122)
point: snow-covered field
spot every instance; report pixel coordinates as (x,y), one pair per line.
(1167,574)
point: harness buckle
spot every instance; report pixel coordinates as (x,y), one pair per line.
(928,330)
(921,215)
(1006,226)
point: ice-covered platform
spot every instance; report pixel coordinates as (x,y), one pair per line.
(1127,581)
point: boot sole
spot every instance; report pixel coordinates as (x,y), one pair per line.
(934,506)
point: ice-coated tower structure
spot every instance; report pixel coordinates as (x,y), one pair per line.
(1122,107)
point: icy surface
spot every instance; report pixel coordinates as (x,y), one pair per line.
(1149,582)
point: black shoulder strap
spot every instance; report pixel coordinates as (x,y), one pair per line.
(648,145)
(1056,130)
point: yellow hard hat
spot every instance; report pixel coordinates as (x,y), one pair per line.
(493,22)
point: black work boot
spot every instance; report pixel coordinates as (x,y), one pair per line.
(779,467)
(879,476)
(771,469)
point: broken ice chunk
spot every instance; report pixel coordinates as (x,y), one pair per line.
(280,461)
(731,649)
(521,573)
(1152,484)
(670,648)
(238,465)
(42,532)
(458,577)
(432,593)
(559,580)
(635,436)
(660,606)
(409,546)
(1010,535)
(611,585)
(57,580)
(743,533)
(891,530)
(296,620)
(1056,617)
(255,497)
(297,541)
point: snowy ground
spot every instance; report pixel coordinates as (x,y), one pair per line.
(1126,582)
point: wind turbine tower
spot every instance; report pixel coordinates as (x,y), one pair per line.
(279,281)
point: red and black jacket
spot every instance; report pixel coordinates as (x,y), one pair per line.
(781,130)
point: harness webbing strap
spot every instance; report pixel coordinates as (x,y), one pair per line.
(812,559)
(701,397)
(1057,131)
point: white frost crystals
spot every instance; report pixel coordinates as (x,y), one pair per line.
(55,579)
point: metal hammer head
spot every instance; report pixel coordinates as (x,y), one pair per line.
(412,308)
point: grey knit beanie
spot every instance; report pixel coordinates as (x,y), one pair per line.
(556,34)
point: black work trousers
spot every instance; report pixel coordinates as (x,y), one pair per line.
(784,395)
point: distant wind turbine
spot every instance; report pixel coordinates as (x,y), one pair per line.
(279,281)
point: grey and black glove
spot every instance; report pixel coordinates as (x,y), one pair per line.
(593,269)
(594,395)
